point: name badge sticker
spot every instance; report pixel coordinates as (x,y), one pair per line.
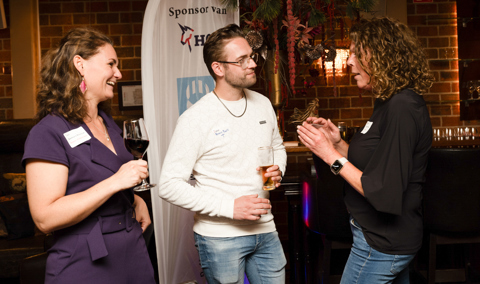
(76,136)
(367,127)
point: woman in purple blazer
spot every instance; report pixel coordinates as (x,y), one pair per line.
(79,174)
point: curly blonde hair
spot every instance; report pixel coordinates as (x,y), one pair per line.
(392,55)
(58,92)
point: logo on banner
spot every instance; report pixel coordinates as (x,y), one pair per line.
(192,89)
(187,34)
(186,31)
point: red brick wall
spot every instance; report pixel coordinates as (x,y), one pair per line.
(6,102)
(121,20)
(438,36)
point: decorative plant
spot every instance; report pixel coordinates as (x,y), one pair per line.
(271,25)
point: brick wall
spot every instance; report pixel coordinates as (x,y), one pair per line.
(439,36)
(121,20)
(6,102)
(354,106)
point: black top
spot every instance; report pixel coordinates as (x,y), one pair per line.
(391,150)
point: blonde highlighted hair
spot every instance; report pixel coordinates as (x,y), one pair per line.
(392,55)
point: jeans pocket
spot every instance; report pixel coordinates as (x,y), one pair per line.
(355,224)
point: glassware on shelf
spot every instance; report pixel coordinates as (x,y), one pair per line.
(471,86)
(477,87)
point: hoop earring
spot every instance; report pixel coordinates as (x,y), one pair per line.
(83,86)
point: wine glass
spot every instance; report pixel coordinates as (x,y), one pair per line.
(136,141)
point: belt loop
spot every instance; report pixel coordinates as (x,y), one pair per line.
(129,219)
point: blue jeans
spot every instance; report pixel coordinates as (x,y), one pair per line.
(227,260)
(369,266)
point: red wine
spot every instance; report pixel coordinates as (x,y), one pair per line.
(136,146)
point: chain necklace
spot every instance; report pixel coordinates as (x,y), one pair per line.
(105,128)
(227,107)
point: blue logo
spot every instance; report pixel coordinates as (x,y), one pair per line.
(192,89)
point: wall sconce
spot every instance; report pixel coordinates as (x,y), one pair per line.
(340,62)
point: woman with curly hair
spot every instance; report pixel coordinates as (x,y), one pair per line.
(79,174)
(387,158)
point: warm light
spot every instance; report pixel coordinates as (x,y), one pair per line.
(340,62)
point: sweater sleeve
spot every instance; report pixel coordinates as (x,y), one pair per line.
(184,150)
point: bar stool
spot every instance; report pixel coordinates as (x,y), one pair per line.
(451,203)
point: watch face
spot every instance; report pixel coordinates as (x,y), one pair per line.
(336,167)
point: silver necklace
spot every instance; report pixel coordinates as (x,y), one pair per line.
(227,107)
(105,129)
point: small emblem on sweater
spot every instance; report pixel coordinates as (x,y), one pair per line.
(220,132)
(263,122)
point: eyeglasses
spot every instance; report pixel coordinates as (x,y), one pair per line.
(244,62)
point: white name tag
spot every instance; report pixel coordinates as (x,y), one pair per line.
(76,136)
(367,127)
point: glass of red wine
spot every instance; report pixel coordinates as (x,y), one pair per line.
(136,141)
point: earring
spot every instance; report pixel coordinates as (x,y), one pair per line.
(83,86)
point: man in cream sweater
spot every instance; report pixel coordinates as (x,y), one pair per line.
(217,140)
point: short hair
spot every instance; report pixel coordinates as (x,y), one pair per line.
(58,92)
(394,57)
(213,48)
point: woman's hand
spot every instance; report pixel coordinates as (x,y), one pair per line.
(329,127)
(141,212)
(130,174)
(320,141)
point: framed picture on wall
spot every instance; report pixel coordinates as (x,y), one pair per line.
(130,95)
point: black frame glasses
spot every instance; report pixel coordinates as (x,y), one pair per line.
(244,62)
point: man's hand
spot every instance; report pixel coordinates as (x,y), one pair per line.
(274,173)
(250,207)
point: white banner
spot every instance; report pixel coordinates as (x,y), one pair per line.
(174,77)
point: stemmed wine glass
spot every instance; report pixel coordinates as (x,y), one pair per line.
(136,141)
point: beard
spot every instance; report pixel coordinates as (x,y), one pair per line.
(240,81)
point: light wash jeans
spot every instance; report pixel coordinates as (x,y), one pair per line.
(227,260)
(366,265)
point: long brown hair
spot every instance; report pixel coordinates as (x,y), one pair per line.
(58,92)
(392,55)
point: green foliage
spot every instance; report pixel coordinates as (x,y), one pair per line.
(316,18)
(268,10)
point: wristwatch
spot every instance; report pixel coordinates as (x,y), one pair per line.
(337,166)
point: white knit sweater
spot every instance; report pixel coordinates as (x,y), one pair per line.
(221,152)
